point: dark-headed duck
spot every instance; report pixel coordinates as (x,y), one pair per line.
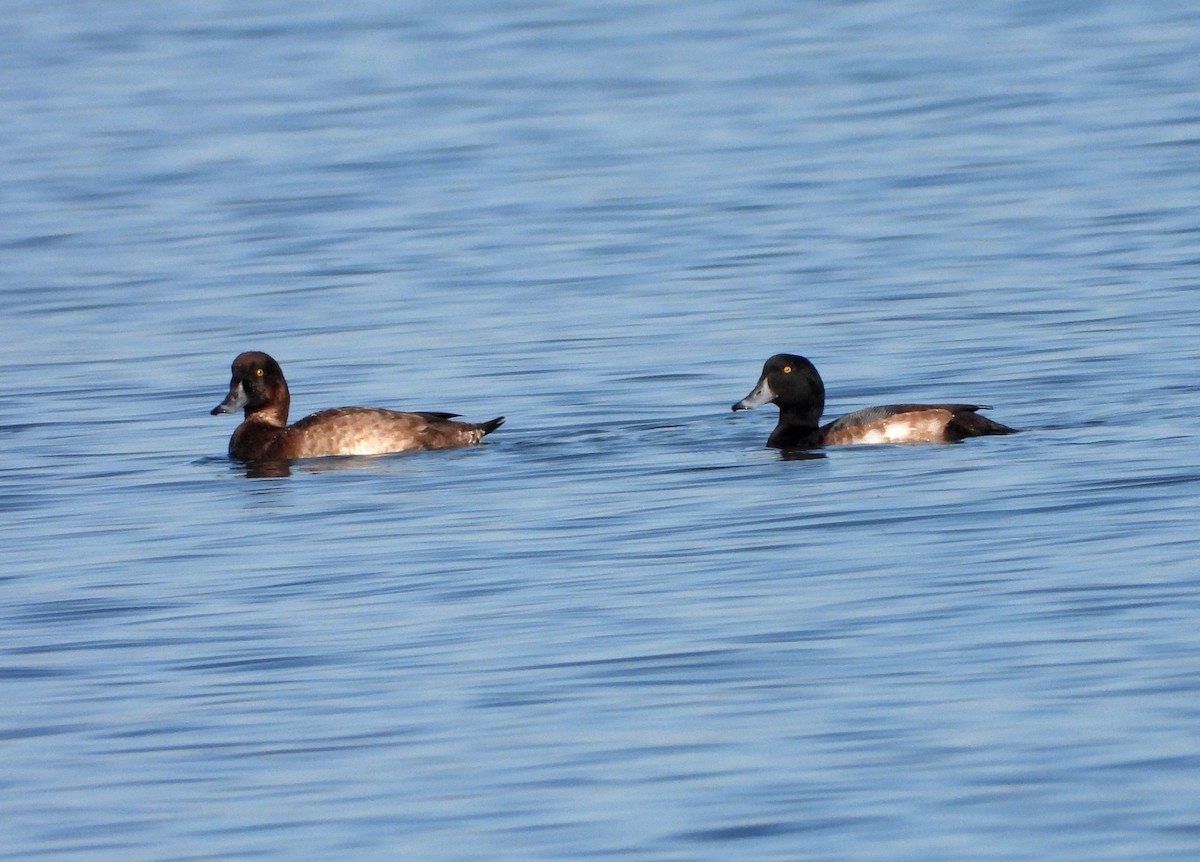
(792,382)
(258,388)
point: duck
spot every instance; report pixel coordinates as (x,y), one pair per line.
(792,383)
(259,389)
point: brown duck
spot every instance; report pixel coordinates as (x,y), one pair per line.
(259,389)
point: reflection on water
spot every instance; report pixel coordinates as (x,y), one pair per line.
(623,628)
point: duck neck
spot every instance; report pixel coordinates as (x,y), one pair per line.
(802,415)
(270,414)
(796,428)
(798,424)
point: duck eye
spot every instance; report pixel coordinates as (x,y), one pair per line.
(258,372)
(787,369)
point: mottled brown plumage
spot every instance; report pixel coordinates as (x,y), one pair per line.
(258,387)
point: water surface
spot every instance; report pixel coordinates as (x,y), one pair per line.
(623,628)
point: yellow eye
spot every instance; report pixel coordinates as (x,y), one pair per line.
(787,369)
(258,372)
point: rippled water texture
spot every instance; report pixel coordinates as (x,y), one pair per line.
(623,628)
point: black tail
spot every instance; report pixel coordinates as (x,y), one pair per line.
(968,423)
(492,425)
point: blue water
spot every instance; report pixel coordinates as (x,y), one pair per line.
(623,628)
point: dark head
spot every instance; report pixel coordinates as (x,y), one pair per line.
(792,383)
(257,387)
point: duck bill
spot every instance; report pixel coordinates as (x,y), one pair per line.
(234,401)
(761,395)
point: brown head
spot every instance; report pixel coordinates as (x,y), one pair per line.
(258,388)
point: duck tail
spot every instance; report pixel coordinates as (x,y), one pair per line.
(491,425)
(971,424)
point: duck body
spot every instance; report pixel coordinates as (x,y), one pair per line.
(259,389)
(793,384)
